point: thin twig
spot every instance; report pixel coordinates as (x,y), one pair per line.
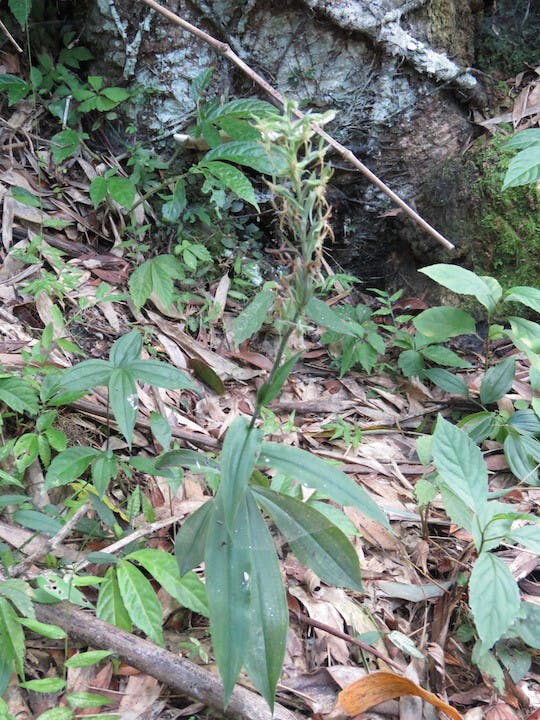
(10,37)
(225,50)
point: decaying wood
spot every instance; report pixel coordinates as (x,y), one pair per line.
(225,50)
(177,673)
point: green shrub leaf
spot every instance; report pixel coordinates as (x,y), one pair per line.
(464,282)
(497,381)
(68,465)
(233,179)
(447,381)
(11,637)
(524,168)
(324,315)
(160,374)
(140,600)
(493,597)
(190,543)
(444,356)
(315,541)
(86,375)
(19,395)
(308,469)
(529,296)
(459,462)
(124,401)
(110,606)
(441,323)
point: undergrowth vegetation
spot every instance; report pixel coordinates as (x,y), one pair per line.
(253,484)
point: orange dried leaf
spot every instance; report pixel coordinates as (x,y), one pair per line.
(381,686)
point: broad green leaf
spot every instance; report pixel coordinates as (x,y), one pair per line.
(161,429)
(424,492)
(57,713)
(116,94)
(189,591)
(190,543)
(68,465)
(497,381)
(411,363)
(18,394)
(98,190)
(86,375)
(21,11)
(11,637)
(238,457)
(478,426)
(525,334)
(487,663)
(524,168)
(527,624)
(269,616)
(493,598)
(122,190)
(35,520)
(526,422)
(516,660)
(447,381)
(86,659)
(458,511)
(126,350)
(524,294)
(49,686)
(194,460)
(84,699)
(270,390)
(324,315)
(315,541)
(460,463)
(16,88)
(308,469)
(228,572)
(441,323)
(233,179)
(104,468)
(444,356)
(251,154)
(65,143)
(51,587)
(461,281)
(155,276)
(172,209)
(521,458)
(523,138)
(528,535)
(18,592)
(140,600)
(160,374)
(250,320)
(110,606)
(243,108)
(124,401)
(53,632)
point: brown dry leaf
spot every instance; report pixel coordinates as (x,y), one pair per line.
(140,695)
(380,686)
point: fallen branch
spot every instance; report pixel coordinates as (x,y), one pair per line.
(179,674)
(225,50)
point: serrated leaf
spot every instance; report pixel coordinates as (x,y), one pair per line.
(269,616)
(238,456)
(444,356)
(524,294)
(315,541)
(160,374)
(308,469)
(250,320)
(524,168)
(447,381)
(462,281)
(459,462)
(493,598)
(124,401)
(69,465)
(140,600)
(228,571)
(155,276)
(190,544)
(110,606)
(528,535)
(189,591)
(411,363)
(11,637)
(233,179)
(16,87)
(98,190)
(18,394)
(441,323)
(122,190)
(497,381)
(65,143)
(457,510)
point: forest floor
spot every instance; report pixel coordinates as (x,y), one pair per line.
(414,601)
